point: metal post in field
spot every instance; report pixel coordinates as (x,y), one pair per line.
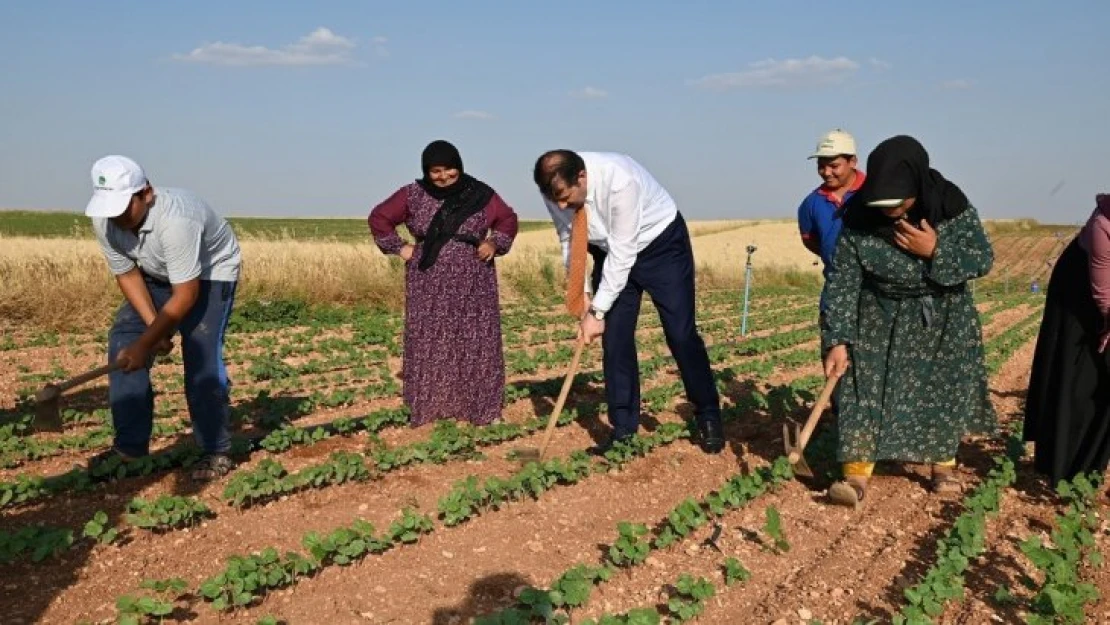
(747,290)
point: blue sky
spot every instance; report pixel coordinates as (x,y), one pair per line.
(283,108)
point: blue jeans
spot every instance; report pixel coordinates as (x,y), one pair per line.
(206,384)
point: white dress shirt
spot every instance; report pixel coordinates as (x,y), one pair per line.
(627,209)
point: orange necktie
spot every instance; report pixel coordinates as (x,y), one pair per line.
(576,274)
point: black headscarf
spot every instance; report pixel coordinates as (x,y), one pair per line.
(466,196)
(898,168)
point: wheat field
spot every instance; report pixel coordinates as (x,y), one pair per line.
(63,283)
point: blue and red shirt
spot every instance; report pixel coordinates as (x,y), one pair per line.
(819,220)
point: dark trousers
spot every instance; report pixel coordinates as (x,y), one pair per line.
(206,383)
(665,269)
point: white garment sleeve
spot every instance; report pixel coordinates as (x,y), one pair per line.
(623,242)
(118,264)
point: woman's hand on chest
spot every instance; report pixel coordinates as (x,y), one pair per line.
(921,241)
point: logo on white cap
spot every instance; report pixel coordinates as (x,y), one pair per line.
(835,143)
(115,179)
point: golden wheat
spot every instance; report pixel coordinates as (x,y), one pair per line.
(63,283)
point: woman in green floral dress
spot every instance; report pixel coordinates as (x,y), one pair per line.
(902,332)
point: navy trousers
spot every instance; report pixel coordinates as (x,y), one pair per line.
(206,383)
(665,269)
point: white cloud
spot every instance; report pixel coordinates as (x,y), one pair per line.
(473,115)
(320,47)
(957,85)
(879,64)
(814,71)
(590,93)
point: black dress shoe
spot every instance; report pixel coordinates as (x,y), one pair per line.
(606,445)
(711,438)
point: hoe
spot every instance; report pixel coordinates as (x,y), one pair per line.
(532,454)
(795,444)
(48,415)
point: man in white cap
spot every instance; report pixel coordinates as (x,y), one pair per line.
(819,215)
(820,212)
(177,263)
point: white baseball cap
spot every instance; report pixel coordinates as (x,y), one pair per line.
(835,143)
(115,179)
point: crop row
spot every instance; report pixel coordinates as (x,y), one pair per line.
(448,441)
(964,541)
(253,323)
(719,318)
(163,514)
(468,496)
(248,578)
(635,542)
(632,547)
(18,442)
(1003,345)
(267,367)
(1062,597)
(271,367)
(30,488)
(536,318)
(688,514)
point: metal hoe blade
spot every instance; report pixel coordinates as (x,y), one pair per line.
(48,415)
(794,450)
(795,442)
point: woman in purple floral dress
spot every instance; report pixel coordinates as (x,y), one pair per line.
(453,362)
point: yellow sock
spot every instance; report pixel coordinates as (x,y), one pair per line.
(858,469)
(947,463)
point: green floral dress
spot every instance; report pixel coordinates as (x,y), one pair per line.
(917,382)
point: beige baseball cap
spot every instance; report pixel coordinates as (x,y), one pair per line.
(834,143)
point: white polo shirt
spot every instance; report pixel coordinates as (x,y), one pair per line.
(627,209)
(181,239)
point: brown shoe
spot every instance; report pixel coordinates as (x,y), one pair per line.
(848,492)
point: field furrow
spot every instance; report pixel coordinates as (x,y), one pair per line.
(340,513)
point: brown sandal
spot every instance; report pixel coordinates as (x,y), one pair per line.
(212,467)
(848,493)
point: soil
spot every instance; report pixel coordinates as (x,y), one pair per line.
(841,565)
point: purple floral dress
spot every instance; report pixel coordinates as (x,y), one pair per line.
(453,366)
